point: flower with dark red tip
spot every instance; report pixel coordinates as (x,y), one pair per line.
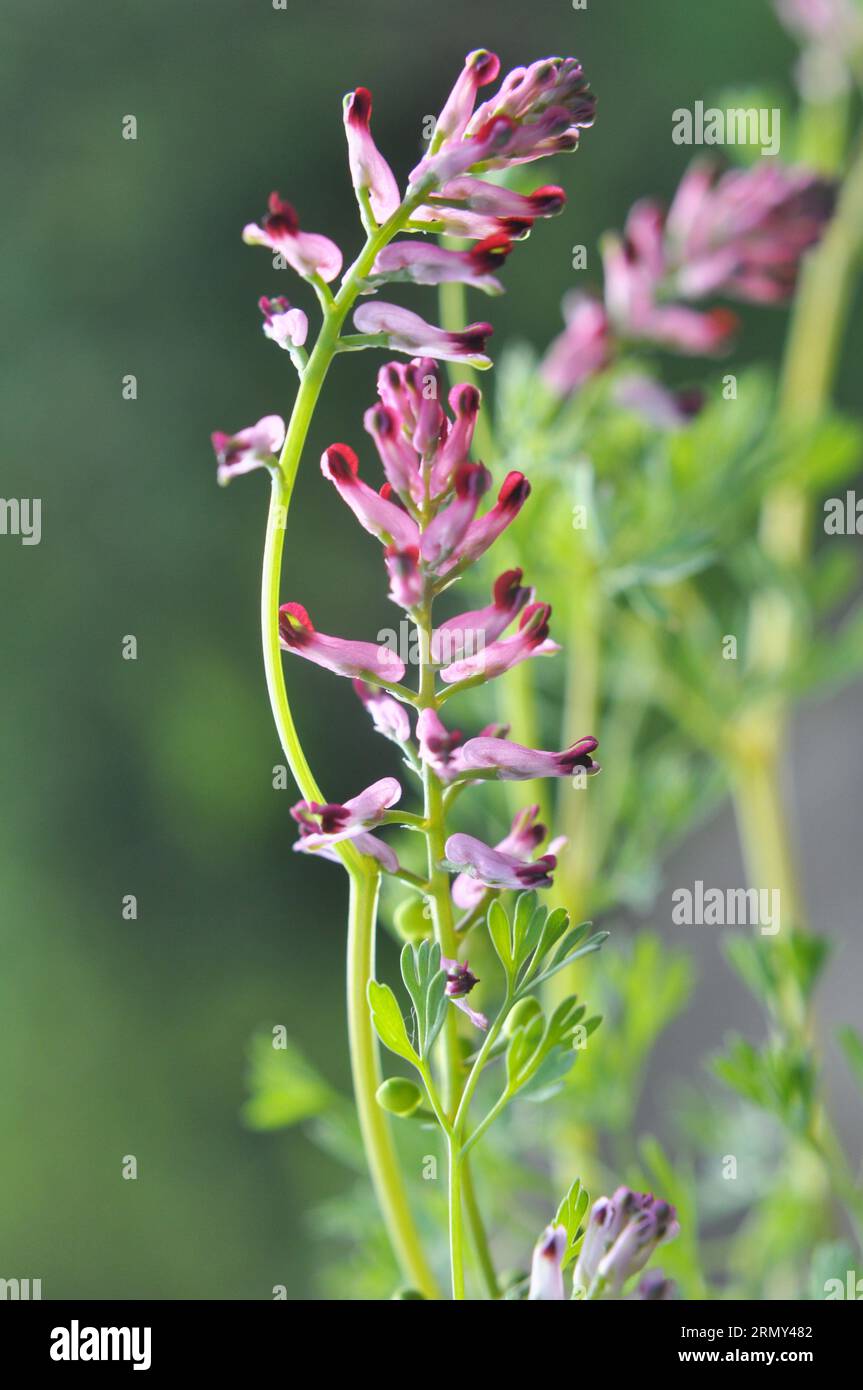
(484,531)
(439,746)
(546,1270)
(460,980)
(326,824)
(357,660)
(445,534)
(308,253)
(407,332)
(523,839)
(370,172)
(406,582)
(583,349)
(286,327)
(255,447)
(424,263)
(513,763)
(530,640)
(376,514)
(497,869)
(461,636)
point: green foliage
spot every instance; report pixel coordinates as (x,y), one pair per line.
(570,1214)
(425,982)
(779,1077)
(284,1088)
(534,944)
(388,1022)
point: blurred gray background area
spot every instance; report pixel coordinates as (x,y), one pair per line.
(154,777)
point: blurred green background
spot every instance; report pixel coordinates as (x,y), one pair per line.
(154,777)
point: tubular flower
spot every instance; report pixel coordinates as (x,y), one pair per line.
(406,582)
(407,332)
(583,349)
(255,447)
(357,660)
(631,288)
(496,868)
(744,233)
(546,1270)
(414,437)
(286,327)
(327,824)
(483,532)
(445,535)
(423,263)
(376,514)
(365,842)
(439,746)
(370,172)
(460,980)
(622,1233)
(388,716)
(657,405)
(463,636)
(308,253)
(513,763)
(531,639)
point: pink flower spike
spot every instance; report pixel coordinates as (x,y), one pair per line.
(480,68)
(357,660)
(460,636)
(439,746)
(376,514)
(369,169)
(485,530)
(407,332)
(546,1271)
(286,327)
(424,263)
(445,534)
(388,716)
(514,763)
(532,639)
(495,869)
(583,349)
(255,447)
(326,824)
(308,253)
(406,582)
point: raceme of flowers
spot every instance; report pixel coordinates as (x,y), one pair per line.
(740,234)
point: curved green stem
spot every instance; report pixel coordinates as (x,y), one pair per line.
(363,874)
(365,1068)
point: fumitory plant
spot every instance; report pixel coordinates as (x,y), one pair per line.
(430,519)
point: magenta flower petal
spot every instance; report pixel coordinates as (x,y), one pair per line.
(480,68)
(464,402)
(439,746)
(328,824)
(286,327)
(407,586)
(380,517)
(546,1271)
(531,639)
(251,448)
(514,763)
(583,349)
(484,531)
(496,869)
(466,634)
(407,332)
(445,535)
(365,842)
(369,169)
(424,263)
(308,253)
(388,716)
(357,660)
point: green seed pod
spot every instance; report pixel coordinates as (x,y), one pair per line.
(524,1011)
(412,920)
(399,1096)
(408,1293)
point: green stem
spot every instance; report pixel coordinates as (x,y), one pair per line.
(363,875)
(456,1226)
(479,1239)
(366,1071)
